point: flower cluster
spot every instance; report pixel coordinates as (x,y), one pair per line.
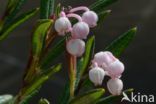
(105,63)
(79,31)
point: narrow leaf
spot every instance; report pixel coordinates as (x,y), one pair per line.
(56,51)
(88,98)
(102,15)
(33,88)
(121,43)
(41,79)
(64,98)
(88,54)
(28,97)
(83,63)
(18,21)
(52,70)
(113,99)
(57,10)
(100,5)
(51,7)
(10,5)
(45,7)
(44,101)
(17,7)
(39,36)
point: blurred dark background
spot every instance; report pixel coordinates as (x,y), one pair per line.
(139,58)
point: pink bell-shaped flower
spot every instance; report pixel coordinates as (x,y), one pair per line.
(114,69)
(96,75)
(62,25)
(90,17)
(80,30)
(103,57)
(109,63)
(115,86)
(75,47)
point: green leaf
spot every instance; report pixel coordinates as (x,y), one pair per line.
(52,70)
(56,51)
(65,96)
(100,5)
(121,43)
(5,99)
(88,98)
(10,5)
(51,7)
(113,99)
(44,101)
(46,7)
(28,97)
(34,87)
(84,62)
(39,36)
(18,21)
(41,79)
(58,10)
(89,51)
(86,85)
(17,5)
(102,15)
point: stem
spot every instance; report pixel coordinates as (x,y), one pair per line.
(75,16)
(79,8)
(72,75)
(31,71)
(72,62)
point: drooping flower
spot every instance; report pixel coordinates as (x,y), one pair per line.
(114,69)
(115,86)
(96,75)
(103,57)
(80,30)
(90,17)
(75,47)
(109,63)
(62,25)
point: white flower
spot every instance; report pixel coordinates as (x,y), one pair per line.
(96,75)
(90,17)
(115,86)
(62,25)
(80,30)
(76,47)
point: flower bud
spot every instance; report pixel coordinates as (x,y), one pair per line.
(102,58)
(62,25)
(96,75)
(115,69)
(115,86)
(90,17)
(76,47)
(80,30)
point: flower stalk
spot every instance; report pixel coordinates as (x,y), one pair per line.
(72,74)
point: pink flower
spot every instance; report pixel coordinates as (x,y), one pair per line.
(80,30)
(62,25)
(103,57)
(115,86)
(109,63)
(90,17)
(75,47)
(114,69)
